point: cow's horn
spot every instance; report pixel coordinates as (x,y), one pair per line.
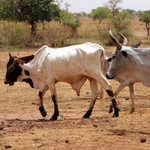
(10,57)
(125,41)
(118,45)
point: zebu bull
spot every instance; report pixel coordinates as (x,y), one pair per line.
(73,64)
(133,63)
(125,78)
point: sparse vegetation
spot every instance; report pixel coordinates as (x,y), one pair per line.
(146,19)
(13,34)
(64,28)
(99,13)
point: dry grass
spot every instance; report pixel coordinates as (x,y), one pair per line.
(17,35)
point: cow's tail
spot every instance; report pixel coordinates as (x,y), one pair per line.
(101,95)
(101,92)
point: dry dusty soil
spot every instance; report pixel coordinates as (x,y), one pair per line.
(23,128)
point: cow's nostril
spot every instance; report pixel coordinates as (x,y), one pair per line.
(107,76)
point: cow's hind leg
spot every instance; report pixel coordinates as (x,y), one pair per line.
(41,107)
(94,94)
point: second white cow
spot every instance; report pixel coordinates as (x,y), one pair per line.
(132,63)
(126,77)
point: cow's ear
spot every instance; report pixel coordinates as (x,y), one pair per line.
(23,60)
(136,45)
(109,59)
(124,53)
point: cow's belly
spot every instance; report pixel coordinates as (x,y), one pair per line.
(70,79)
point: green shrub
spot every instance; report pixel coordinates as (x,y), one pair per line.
(13,33)
(122,20)
(70,20)
(105,36)
(53,33)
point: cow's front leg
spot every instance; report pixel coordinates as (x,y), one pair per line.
(120,88)
(94,94)
(109,91)
(54,99)
(41,107)
(114,103)
(56,112)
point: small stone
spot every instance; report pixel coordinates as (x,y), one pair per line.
(143,140)
(36,139)
(8,146)
(94,125)
(66,141)
(1,128)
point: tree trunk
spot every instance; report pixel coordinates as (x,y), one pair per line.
(33,29)
(147,31)
(147,27)
(43,25)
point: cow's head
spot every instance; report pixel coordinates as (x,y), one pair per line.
(119,60)
(13,68)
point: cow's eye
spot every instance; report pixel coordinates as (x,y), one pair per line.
(113,57)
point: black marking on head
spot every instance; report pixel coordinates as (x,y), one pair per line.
(13,72)
(124,53)
(10,69)
(109,60)
(27,72)
(28,81)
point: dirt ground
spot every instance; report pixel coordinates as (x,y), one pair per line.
(23,128)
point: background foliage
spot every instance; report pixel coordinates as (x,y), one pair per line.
(33,23)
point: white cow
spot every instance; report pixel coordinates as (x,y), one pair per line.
(125,77)
(73,64)
(131,63)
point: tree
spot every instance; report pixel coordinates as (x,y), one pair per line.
(122,20)
(112,5)
(146,18)
(99,13)
(31,11)
(131,11)
(70,20)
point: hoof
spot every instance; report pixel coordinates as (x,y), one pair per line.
(111,109)
(132,110)
(53,118)
(44,113)
(86,116)
(116,114)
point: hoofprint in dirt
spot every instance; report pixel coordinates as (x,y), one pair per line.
(22,127)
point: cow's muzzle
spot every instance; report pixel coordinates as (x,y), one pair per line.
(10,83)
(108,77)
